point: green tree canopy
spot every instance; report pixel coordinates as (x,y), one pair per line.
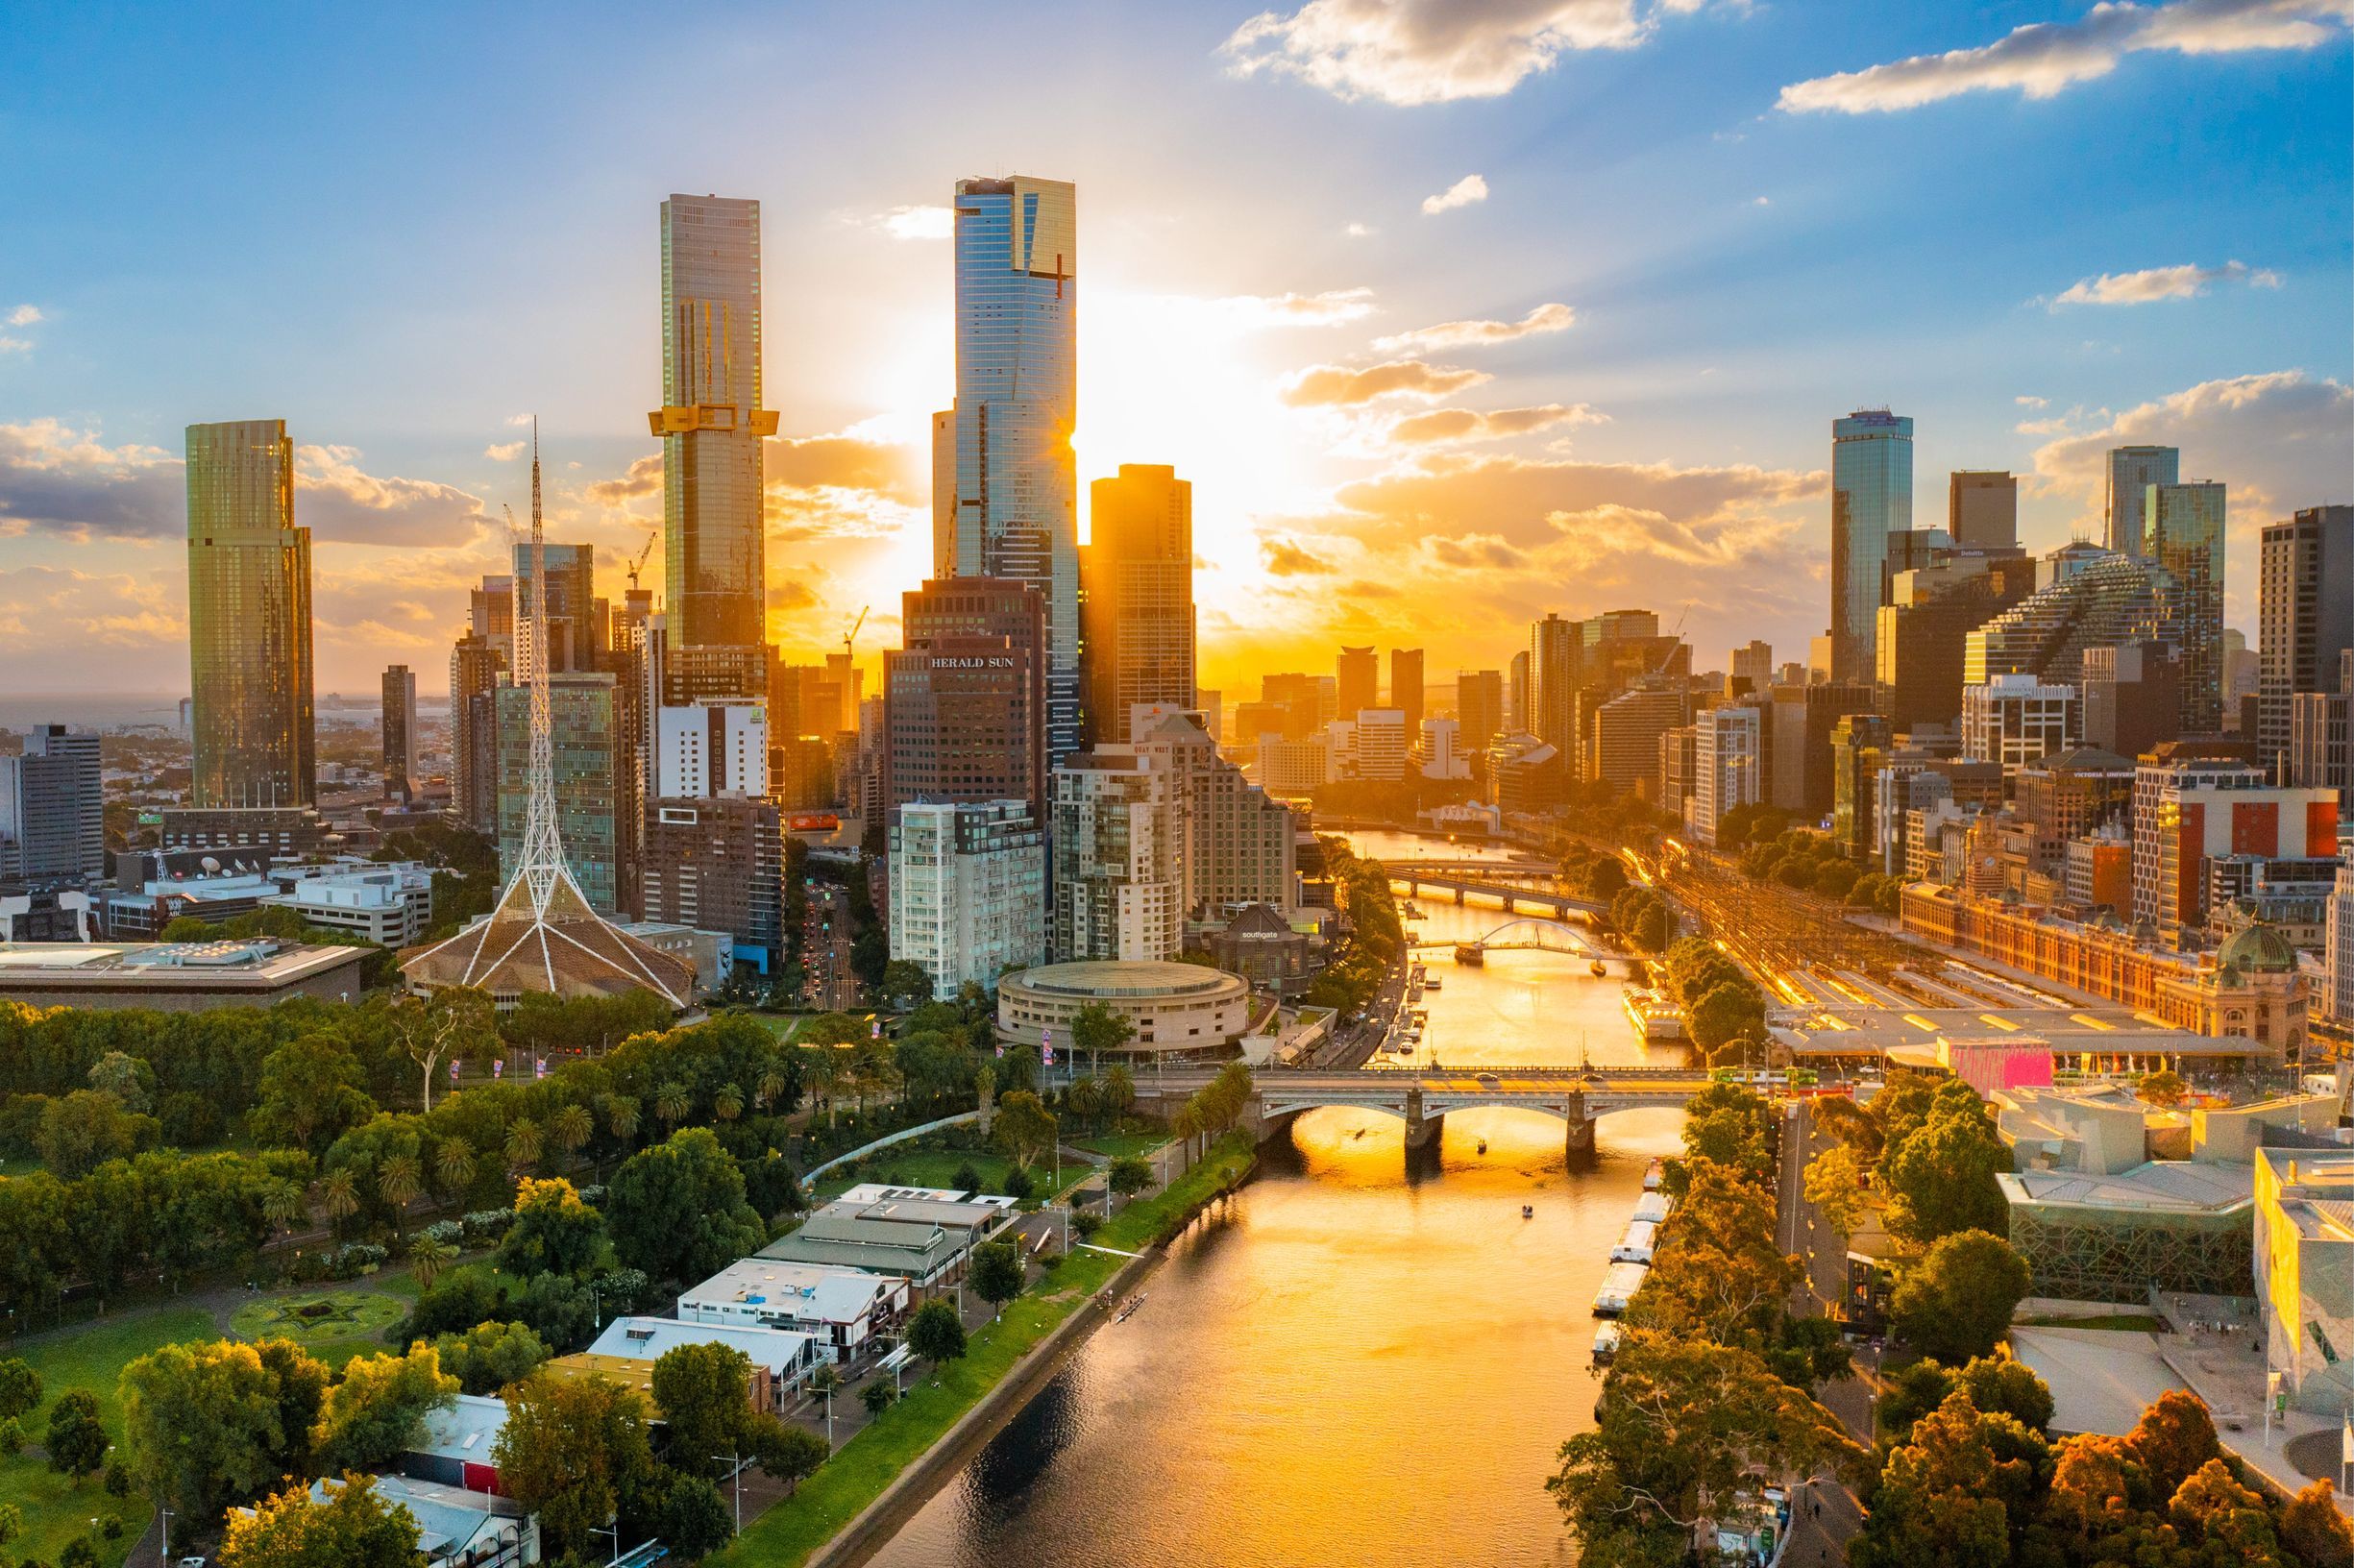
(1956,1302)
(491,1355)
(935,1334)
(553,1233)
(351,1527)
(378,1408)
(571,1450)
(677,1211)
(997,1273)
(203,1424)
(703,1392)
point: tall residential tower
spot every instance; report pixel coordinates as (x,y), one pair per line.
(1872,497)
(1138,616)
(249,618)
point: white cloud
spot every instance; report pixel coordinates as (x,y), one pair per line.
(2162,283)
(1464,192)
(14,345)
(1339,386)
(2043,59)
(520,422)
(1447,425)
(1411,52)
(24,315)
(503,452)
(1762,200)
(1455,334)
(2028,399)
(1358,230)
(1329,308)
(916,222)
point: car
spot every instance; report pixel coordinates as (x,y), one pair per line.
(1489,1079)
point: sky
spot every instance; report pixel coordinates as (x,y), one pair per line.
(1454,312)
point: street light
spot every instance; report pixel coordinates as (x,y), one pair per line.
(735,1474)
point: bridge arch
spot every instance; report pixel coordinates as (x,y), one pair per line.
(1536,929)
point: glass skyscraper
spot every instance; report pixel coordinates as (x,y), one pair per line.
(249,618)
(2182,530)
(2132,470)
(1016,501)
(1872,497)
(711,425)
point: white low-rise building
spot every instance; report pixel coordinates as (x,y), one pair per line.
(841,1309)
(391,905)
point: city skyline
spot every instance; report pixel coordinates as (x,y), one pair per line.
(1427,433)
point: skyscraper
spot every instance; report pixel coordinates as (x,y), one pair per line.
(711,424)
(1982,509)
(1406,686)
(2305,610)
(1553,683)
(1479,707)
(52,809)
(573,637)
(477,669)
(249,618)
(1358,673)
(1138,616)
(2132,470)
(962,698)
(1017,404)
(1872,497)
(2182,530)
(399,731)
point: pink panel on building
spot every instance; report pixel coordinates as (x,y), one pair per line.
(2255,827)
(1988,1065)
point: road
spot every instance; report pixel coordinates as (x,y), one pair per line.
(1827,1514)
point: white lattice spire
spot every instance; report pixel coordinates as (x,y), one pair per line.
(542,860)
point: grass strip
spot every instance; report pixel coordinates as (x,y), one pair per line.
(785,1536)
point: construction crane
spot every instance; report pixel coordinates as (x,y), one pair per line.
(1669,657)
(850,638)
(638,565)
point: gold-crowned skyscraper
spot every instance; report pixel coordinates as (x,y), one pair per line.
(711,424)
(1137,617)
(249,618)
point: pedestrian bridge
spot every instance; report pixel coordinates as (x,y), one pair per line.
(1488,884)
(1531,933)
(1423,1097)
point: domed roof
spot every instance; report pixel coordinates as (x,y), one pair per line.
(2258,950)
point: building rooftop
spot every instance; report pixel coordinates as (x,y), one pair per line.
(811,1291)
(104,966)
(465,1430)
(1124,977)
(647,1339)
(2178,1187)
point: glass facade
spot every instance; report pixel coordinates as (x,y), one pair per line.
(2182,530)
(1872,497)
(711,424)
(2132,470)
(249,618)
(585,753)
(1139,614)
(1016,504)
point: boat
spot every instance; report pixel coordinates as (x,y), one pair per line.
(1618,1289)
(1127,1306)
(1654,1016)
(1651,1206)
(1599,969)
(1653,1174)
(1637,1245)
(1527,1210)
(1605,1343)
(1431,982)
(1483,1145)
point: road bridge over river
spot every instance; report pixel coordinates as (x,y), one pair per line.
(1491,882)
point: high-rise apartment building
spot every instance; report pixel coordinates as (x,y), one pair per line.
(574,639)
(1795,743)
(1438,751)
(2182,532)
(2193,801)
(1753,665)
(2305,612)
(1626,731)
(491,614)
(717,864)
(1516,693)
(1016,403)
(588,760)
(1478,708)
(477,667)
(2132,470)
(2090,597)
(53,808)
(1118,837)
(399,732)
(1982,509)
(249,619)
(1406,686)
(1860,742)
(1357,680)
(1553,682)
(1872,497)
(963,700)
(2337,1000)
(1724,768)
(711,750)
(1381,744)
(1239,847)
(711,422)
(1138,615)
(968,896)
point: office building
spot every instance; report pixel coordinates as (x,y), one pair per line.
(717,864)
(576,639)
(249,619)
(1924,629)
(711,424)
(1860,742)
(1357,680)
(2305,1274)
(2305,610)
(2337,949)
(1526,776)
(711,750)
(1516,693)
(1678,752)
(587,762)
(2321,737)
(1406,686)
(968,894)
(399,732)
(1553,682)
(1138,615)
(490,614)
(1626,731)
(1438,749)
(1118,837)
(1794,761)
(1872,497)
(2195,801)
(960,722)
(1293,768)
(1379,744)
(476,667)
(1016,403)
(1478,708)
(2087,597)
(1752,668)
(2182,532)
(2132,697)
(52,809)
(2132,470)
(1724,768)
(1982,509)
(2018,720)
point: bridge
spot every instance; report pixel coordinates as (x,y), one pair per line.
(1532,933)
(1514,895)
(1422,1099)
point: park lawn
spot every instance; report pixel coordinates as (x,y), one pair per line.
(56,1510)
(785,1536)
(920,1167)
(2129,1322)
(1120,1145)
(355,1328)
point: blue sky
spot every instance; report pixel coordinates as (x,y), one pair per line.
(398,227)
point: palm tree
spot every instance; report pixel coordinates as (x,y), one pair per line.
(453,1165)
(398,1182)
(620,1117)
(338,1195)
(728,1103)
(522,1145)
(428,1255)
(283,1205)
(572,1128)
(671,1103)
(821,1067)
(772,1086)
(1085,1096)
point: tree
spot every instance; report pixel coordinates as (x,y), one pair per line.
(398,1182)
(1655,927)
(571,1129)
(76,1439)
(1084,1099)
(1732,1011)
(454,1017)
(906,984)
(1956,1302)
(491,1355)
(429,1254)
(311,1089)
(525,1143)
(1097,1029)
(300,1383)
(997,1273)
(1834,1185)
(453,1165)
(786,1452)
(202,1424)
(935,1334)
(553,1233)
(1940,1178)
(81,1131)
(1024,1128)
(20,1387)
(877,1395)
(702,1391)
(677,1211)
(1957,1494)
(127,1078)
(380,1408)
(2312,1529)
(2173,1438)
(2164,1088)
(1118,1092)
(351,1527)
(571,1449)
(2001,1385)
(694,1519)
(2213,1510)
(1129,1175)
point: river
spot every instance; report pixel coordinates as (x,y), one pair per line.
(1343,1363)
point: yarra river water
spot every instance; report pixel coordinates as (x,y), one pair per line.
(1341,1364)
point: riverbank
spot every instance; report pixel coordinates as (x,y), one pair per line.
(885,1473)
